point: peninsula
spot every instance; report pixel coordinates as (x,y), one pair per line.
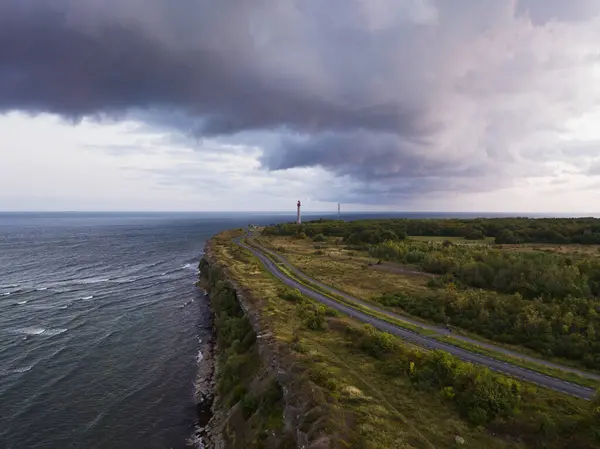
(407,333)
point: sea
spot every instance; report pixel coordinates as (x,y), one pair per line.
(102,326)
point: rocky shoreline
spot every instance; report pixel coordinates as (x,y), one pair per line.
(204,394)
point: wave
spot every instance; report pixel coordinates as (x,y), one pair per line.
(186,303)
(22,302)
(5,294)
(85,298)
(30,330)
(39,331)
(129,279)
(53,332)
(187,266)
(41,289)
(10,286)
(90,281)
(21,370)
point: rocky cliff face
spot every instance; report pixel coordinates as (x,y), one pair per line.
(267,382)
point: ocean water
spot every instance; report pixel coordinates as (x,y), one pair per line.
(101,326)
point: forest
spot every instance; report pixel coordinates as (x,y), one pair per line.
(547,302)
(584,231)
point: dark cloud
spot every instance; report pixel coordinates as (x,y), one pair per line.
(406,93)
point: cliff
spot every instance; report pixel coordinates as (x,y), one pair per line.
(261,400)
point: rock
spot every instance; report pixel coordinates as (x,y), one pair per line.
(459,440)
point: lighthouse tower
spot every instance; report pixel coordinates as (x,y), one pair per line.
(298,220)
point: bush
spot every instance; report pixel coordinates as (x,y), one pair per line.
(291,295)
(324,378)
(447,393)
(249,405)
(312,315)
(474,234)
(319,238)
(376,343)
(331,312)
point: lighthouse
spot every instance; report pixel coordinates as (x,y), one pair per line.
(298,220)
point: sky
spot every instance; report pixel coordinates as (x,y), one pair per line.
(387,105)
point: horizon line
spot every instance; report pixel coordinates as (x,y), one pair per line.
(292,212)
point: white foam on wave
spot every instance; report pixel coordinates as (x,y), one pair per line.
(52,332)
(10,286)
(87,297)
(187,266)
(30,330)
(39,331)
(41,289)
(22,302)
(63,307)
(20,370)
(125,280)
(6,294)
(91,281)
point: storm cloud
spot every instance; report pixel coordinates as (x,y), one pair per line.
(399,96)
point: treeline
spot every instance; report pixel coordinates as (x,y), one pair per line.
(353,233)
(503,230)
(548,302)
(566,328)
(532,274)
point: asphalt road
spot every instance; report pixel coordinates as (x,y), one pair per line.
(431,327)
(413,337)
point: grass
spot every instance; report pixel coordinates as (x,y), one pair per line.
(342,300)
(345,270)
(358,405)
(355,403)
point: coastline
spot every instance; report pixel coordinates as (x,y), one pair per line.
(205,386)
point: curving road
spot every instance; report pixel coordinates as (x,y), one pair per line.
(413,337)
(431,327)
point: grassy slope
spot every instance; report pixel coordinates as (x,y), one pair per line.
(358,404)
(349,271)
(361,406)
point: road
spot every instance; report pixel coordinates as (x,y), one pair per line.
(431,327)
(413,337)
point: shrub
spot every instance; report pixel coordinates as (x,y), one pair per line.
(376,343)
(324,378)
(291,295)
(447,393)
(249,405)
(312,315)
(319,238)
